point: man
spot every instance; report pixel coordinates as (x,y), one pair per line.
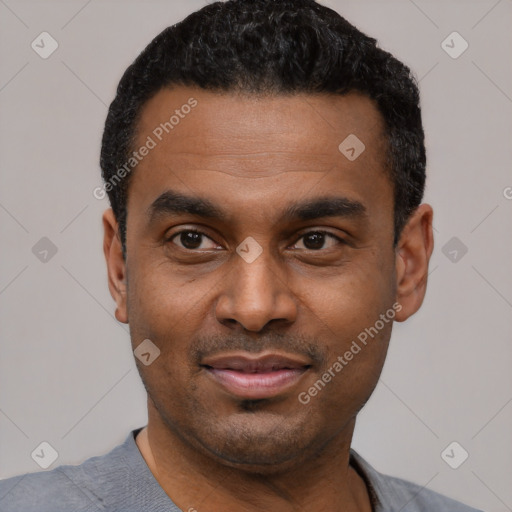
(265,164)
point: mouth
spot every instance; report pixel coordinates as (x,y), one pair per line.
(248,376)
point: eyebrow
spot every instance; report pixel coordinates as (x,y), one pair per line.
(175,203)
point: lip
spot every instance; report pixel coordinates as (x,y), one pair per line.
(256,377)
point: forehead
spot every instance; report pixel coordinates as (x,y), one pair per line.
(217,143)
(230,123)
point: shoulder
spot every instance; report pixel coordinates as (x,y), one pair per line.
(390,493)
(66,488)
(44,491)
(416,498)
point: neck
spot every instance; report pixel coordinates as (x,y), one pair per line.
(198,482)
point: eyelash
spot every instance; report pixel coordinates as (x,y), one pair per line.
(192,230)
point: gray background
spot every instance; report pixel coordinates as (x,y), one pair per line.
(67,374)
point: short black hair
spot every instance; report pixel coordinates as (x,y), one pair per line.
(276,47)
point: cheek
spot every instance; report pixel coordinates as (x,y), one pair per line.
(346,311)
(351,298)
(170,310)
(161,297)
(356,354)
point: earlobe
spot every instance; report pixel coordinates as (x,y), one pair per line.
(412,258)
(116,265)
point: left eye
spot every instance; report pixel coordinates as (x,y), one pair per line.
(315,240)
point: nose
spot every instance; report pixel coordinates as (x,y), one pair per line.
(255,294)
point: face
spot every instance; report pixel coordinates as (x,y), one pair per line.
(259,255)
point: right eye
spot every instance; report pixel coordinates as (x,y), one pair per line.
(191,239)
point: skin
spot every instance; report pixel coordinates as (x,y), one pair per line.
(252,156)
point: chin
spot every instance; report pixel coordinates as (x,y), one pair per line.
(259,444)
(271,459)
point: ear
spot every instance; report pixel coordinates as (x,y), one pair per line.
(116,266)
(413,253)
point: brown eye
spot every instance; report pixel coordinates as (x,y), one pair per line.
(315,240)
(192,240)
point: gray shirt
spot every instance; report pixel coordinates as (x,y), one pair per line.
(121,481)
